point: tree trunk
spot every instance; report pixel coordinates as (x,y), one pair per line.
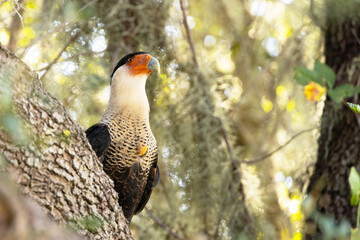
(15,26)
(340,132)
(22,218)
(54,165)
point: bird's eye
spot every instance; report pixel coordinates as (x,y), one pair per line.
(130,60)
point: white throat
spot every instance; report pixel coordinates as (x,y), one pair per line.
(128,94)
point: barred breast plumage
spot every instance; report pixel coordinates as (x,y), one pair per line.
(123,162)
(123,140)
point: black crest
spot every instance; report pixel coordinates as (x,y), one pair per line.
(124,59)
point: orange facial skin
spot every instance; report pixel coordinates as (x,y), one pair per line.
(139,64)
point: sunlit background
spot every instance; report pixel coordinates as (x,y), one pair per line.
(243,93)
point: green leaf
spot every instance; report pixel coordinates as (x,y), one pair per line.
(335,96)
(343,91)
(354,180)
(354,200)
(310,75)
(354,107)
(356,90)
(300,79)
(325,72)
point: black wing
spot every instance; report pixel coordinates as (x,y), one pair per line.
(129,183)
(99,138)
(153,180)
(132,184)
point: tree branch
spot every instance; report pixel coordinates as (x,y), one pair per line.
(16,24)
(48,67)
(267,155)
(236,176)
(58,28)
(188,34)
(159,222)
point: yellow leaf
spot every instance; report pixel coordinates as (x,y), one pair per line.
(266,105)
(296,217)
(313,91)
(29,32)
(285,234)
(63,80)
(6,7)
(30,4)
(26,36)
(260,236)
(290,106)
(283,30)
(297,236)
(66,132)
(280,90)
(288,33)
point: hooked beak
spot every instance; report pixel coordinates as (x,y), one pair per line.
(154,65)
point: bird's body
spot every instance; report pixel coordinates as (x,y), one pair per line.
(123,139)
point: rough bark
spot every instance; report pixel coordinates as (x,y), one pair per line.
(55,166)
(340,131)
(22,218)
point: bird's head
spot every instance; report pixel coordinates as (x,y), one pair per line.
(135,65)
(128,82)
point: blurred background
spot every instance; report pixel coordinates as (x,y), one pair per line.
(237,138)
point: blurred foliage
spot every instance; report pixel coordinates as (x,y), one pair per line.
(354,107)
(319,79)
(239,103)
(12,124)
(354,181)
